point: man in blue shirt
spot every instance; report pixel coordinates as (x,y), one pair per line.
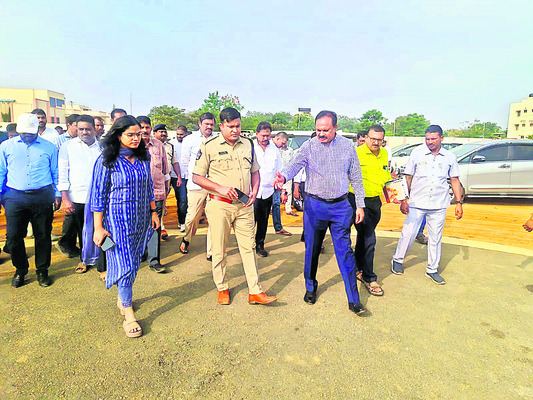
(331,165)
(28,190)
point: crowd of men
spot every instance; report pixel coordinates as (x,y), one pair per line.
(238,183)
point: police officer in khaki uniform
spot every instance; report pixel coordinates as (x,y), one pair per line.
(223,164)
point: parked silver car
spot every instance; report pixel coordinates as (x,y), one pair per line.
(500,168)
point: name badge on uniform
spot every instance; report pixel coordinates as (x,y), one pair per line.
(222,152)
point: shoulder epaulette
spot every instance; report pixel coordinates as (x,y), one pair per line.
(251,144)
(213,138)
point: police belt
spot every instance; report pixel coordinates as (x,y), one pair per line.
(329,201)
(220,198)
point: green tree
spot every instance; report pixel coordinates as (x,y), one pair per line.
(476,129)
(214,103)
(411,125)
(370,118)
(303,122)
(348,124)
(171,116)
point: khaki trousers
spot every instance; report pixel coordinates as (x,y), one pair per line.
(196,200)
(222,217)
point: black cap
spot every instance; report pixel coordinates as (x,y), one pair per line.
(159,127)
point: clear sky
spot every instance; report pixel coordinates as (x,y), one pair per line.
(452,61)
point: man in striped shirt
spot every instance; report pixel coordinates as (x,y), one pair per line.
(331,165)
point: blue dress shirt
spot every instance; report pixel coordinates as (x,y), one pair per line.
(28,167)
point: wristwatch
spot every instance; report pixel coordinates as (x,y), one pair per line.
(460,202)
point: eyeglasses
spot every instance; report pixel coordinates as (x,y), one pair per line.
(375,140)
(132,135)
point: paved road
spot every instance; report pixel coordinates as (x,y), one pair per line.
(468,339)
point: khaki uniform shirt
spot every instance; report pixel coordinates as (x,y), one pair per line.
(226,165)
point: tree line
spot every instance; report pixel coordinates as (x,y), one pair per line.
(408,125)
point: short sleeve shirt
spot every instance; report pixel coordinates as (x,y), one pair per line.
(429,187)
(227,165)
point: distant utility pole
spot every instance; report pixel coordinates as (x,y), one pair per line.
(131,105)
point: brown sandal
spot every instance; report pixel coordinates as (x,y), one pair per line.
(132,328)
(81,268)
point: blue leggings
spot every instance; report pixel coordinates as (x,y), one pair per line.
(126,295)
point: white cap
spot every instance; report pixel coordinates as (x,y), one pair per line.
(28,123)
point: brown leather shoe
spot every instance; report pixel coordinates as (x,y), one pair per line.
(261,298)
(223,297)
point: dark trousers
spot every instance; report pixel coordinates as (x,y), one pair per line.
(73,228)
(181,198)
(101,263)
(365,243)
(261,212)
(318,217)
(22,208)
(154,244)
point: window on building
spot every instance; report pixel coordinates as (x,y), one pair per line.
(524,125)
(525,110)
(517,113)
(530,123)
(52,102)
(60,103)
(516,126)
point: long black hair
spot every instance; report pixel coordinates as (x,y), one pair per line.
(111,142)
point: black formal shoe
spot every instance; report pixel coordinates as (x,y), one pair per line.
(158,268)
(357,308)
(6,249)
(209,258)
(18,280)
(260,250)
(43,279)
(310,297)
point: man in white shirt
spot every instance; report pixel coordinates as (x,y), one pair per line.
(427,173)
(196,196)
(45,132)
(180,191)
(269,160)
(72,131)
(76,162)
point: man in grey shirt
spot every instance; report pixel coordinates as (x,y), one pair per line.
(331,164)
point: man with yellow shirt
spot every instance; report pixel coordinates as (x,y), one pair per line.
(374,167)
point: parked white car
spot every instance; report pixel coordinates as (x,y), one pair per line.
(500,168)
(401,154)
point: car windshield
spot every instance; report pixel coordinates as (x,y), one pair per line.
(297,141)
(460,151)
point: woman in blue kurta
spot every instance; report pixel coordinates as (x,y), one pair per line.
(122,200)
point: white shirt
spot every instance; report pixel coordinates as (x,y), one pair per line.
(286,155)
(189,150)
(50,134)
(177,153)
(429,187)
(75,164)
(269,161)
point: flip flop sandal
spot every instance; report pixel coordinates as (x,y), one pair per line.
(185,248)
(373,290)
(81,268)
(132,328)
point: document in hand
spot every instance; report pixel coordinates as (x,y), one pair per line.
(396,190)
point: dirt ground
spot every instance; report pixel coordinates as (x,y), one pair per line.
(470,338)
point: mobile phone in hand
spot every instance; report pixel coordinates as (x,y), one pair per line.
(243,197)
(107,244)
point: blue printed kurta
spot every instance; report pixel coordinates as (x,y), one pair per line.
(123,193)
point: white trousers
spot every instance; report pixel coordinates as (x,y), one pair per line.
(435,225)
